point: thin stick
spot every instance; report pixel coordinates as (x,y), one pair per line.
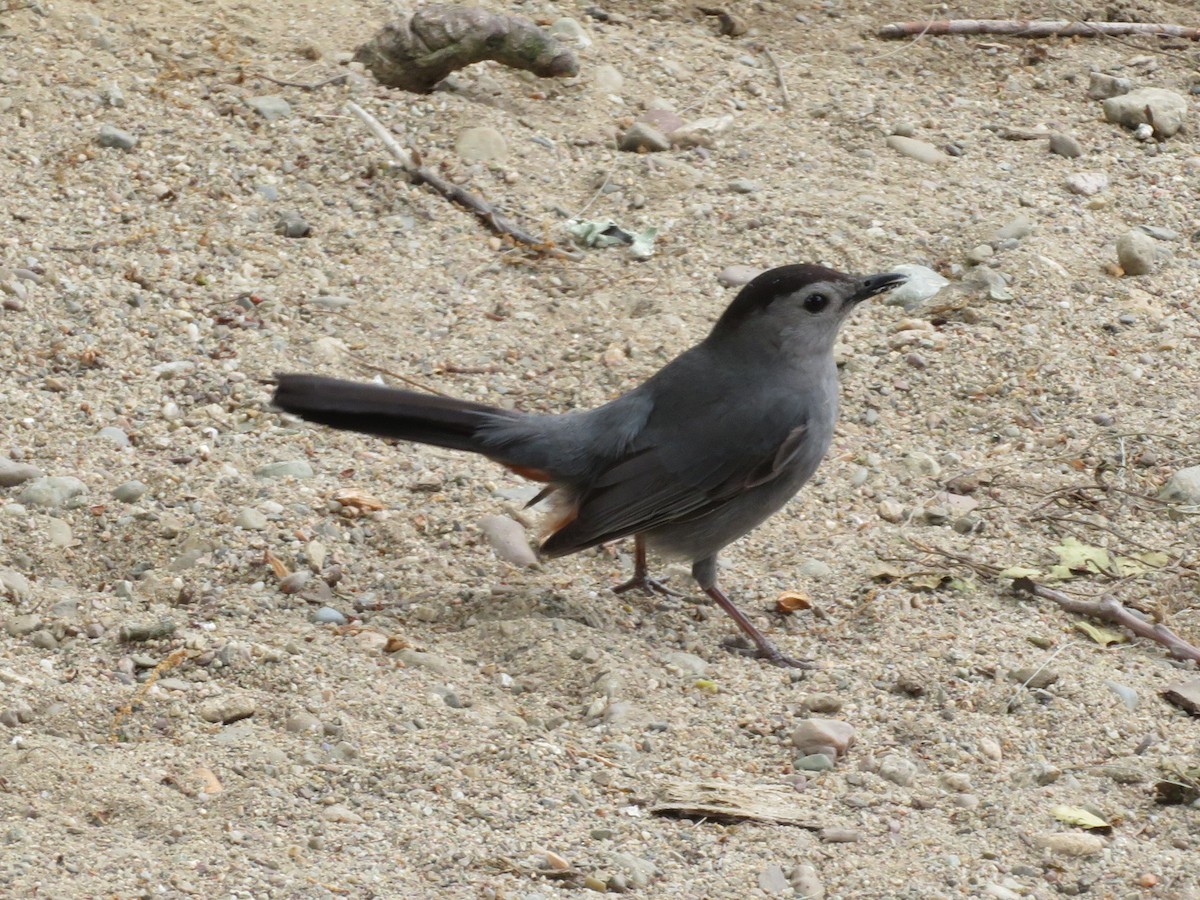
(452,192)
(1109,609)
(304,85)
(1035,28)
(783,88)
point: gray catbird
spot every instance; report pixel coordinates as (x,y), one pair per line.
(698,455)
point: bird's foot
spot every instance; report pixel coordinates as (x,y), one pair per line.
(767,652)
(643,582)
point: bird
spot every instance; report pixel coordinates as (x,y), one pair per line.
(687,462)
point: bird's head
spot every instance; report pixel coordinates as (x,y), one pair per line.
(802,305)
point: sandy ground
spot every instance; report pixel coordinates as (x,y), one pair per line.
(475,730)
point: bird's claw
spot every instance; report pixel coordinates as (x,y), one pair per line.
(647,584)
(770,654)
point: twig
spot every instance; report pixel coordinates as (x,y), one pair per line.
(303,85)
(411,382)
(452,192)
(783,88)
(1035,28)
(1109,609)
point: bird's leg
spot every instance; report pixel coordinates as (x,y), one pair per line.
(705,573)
(641,578)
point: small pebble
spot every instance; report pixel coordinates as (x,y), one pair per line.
(271,107)
(898,770)
(228,709)
(327,615)
(115,137)
(250,519)
(292,468)
(772,881)
(918,150)
(832,737)
(1137,253)
(481,144)
(1065,145)
(508,540)
(130,491)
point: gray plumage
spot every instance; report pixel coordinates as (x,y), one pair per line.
(701,453)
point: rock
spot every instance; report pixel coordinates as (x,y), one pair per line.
(607,79)
(834,835)
(1163,110)
(923,283)
(806,883)
(772,881)
(51,491)
(113,96)
(327,615)
(130,491)
(291,468)
(291,224)
(1137,252)
(250,519)
(822,703)
(918,463)
(1034,678)
(980,254)
(304,723)
(58,532)
(1182,487)
(744,186)
(702,132)
(898,770)
(115,137)
(918,150)
(15,473)
(228,709)
(665,120)
(1065,145)
(19,626)
(1071,843)
(1159,233)
(1102,87)
(1125,694)
(736,276)
(481,144)
(890,510)
(295,582)
(831,737)
(271,107)
(816,570)
(508,540)
(14,585)
(814,762)
(114,435)
(688,663)
(421,660)
(643,138)
(1086,184)
(1016,229)
(568,29)
(1185,695)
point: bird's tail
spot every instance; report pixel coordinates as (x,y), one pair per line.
(390,412)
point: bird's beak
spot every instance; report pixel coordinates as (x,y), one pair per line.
(877,284)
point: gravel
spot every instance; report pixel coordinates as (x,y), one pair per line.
(465,716)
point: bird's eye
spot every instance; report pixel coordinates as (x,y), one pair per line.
(814,303)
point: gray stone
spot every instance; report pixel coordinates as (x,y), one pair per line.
(568,29)
(114,96)
(815,569)
(327,615)
(923,283)
(481,144)
(508,540)
(1102,87)
(744,186)
(898,770)
(1065,145)
(115,137)
(807,883)
(665,120)
(14,585)
(1126,694)
(303,723)
(290,468)
(772,881)
(421,660)
(1018,228)
(251,519)
(607,79)
(19,626)
(15,473)
(1086,184)
(736,276)
(1164,110)
(980,254)
(702,132)
(1159,233)
(644,138)
(1137,252)
(58,531)
(130,491)
(114,435)
(52,491)
(228,709)
(271,107)
(832,737)
(688,663)
(1182,487)
(814,762)
(917,462)
(290,223)
(918,150)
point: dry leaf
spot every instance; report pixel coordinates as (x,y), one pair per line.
(356,499)
(791,601)
(212,784)
(281,571)
(1102,636)
(1080,818)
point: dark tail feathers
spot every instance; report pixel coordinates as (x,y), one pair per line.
(390,412)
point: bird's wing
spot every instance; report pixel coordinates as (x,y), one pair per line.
(648,487)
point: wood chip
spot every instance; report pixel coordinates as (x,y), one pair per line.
(735,803)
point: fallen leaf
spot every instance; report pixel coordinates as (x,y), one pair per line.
(281,571)
(1019,572)
(1080,818)
(1084,558)
(1102,636)
(358,500)
(791,601)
